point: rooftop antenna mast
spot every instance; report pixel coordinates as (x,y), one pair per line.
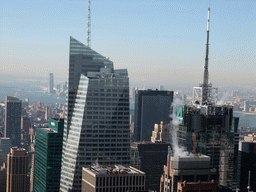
(89,25)
(249,177)
(206,86)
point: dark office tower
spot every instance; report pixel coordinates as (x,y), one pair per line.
(151,107)
(209,128)
(97,118)
(150,158)
(25,124)
(48,156)
(50,83)
(13,119)
(247,162)
(17,167)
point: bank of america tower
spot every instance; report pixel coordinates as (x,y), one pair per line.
(96,117)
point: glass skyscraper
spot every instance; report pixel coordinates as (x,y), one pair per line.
(13,120)
(151,107)
(48,156)
(96,126)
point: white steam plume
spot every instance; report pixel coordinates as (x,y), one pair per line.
(224,98)
(177,149)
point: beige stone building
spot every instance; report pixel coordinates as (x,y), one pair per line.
(250,138)
(109,179)
(161,133)
(17,165)
(190,169)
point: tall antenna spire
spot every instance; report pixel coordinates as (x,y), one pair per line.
(205,85)
(89,25)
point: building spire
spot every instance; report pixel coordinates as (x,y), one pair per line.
(89,25)
(206,86)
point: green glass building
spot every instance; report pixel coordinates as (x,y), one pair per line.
(48,156)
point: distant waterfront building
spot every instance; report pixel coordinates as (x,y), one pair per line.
(17,167)
(190,169)
(119,178)
(25,103)
(161,88)
(50,83)
(58,87)
(48,156)
(161,133)
(97,115)
(150,158)
(13,120)
(151,107)
(65,86)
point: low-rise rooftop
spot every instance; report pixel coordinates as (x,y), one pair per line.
(117,169)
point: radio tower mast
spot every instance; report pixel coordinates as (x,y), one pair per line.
(206,87)
(89,25)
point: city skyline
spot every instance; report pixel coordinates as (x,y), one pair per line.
(159,42)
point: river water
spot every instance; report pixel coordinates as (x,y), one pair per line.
(246,119)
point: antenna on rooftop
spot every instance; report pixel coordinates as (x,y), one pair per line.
(249,177)
(89,25)
(205,85)
(205,93)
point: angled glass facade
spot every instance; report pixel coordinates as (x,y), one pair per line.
(97,115)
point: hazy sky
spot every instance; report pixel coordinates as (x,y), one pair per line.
(160,42)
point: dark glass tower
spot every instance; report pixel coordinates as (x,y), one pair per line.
(151,158)
(247,162)
(151,107)
(13,120)
(48,156)
(97,115)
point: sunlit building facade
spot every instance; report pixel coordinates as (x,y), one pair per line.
(97,115)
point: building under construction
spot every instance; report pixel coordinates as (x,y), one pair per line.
(211,129)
